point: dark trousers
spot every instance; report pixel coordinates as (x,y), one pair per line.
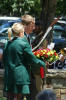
(11,96)
(33,90)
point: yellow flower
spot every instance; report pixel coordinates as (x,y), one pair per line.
(38,56)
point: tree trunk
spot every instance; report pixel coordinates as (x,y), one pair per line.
(47,14)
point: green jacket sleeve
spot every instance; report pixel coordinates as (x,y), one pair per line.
(31,58)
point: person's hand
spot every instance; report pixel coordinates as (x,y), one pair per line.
(47,63)
(61,58)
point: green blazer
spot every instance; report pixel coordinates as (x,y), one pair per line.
(17,56)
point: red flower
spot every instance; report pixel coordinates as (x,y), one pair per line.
(51,54)
(41,53)
(55,53)
(46,55)
(35,53)
(46,52)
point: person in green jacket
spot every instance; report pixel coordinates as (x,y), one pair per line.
(17,56)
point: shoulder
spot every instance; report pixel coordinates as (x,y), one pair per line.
(24,39)
(6,44)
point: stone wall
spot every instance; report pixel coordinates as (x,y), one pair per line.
(55,79)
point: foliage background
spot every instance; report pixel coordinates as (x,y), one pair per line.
(44,10)
(19,7)
(33,7)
